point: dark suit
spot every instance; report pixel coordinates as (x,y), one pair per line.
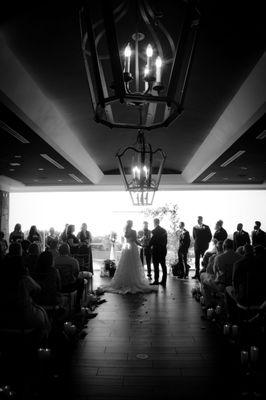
(220,235)
(184,243)
(240,239)
(158,244)
(144,236)
(258,237)
(202,236)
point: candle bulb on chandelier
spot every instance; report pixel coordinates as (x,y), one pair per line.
(158,65)
(149,53)
(146,73)
(145,170)
(127,54)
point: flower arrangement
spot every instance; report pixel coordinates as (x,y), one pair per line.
(113,237)
(109,267)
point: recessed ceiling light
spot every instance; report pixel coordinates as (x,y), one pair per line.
(14,164)
(40,169)
(59,180)
(226,179)
(17,156)
(233,158)
(262,135)
(15,134)
(52,161)
(75,178)
(11,169)
(250,179)
(208,176)
(35,180)
(243,168)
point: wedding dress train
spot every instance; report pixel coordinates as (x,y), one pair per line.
(129,275)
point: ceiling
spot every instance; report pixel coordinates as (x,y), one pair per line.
(45,97)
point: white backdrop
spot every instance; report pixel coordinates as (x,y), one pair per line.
(106,211)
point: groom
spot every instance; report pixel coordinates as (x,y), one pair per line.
(158,244)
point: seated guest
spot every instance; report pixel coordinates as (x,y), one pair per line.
(210,272)
(223,269)
(240,237)
(25,244)
(240,250)
(84,236)
(68,268)
(17,308)
(14,249)
(17,235)
(53,248)
(258,236)
(3,245)
(72,240)
(49,279)
(249,276)
(220,233)
(32,257)
(52,236)
(207,256)
(34,236)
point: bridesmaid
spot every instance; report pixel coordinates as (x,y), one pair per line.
(85,239)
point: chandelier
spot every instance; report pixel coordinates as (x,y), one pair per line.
(141,169)
(138,58)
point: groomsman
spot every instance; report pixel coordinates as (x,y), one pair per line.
(258,236)
(184,243)
(202,236)
(158,247)
(240,237)
(220,233)
(144,237)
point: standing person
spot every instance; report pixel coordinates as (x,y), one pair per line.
(17,235)
(202,236)
(51,237)
(220,233)
(72,240)
(63,236)
(184,243)
(158,245)
(3,245)
(34,236)
(240,237)
(144,237)
(258,236)
(85,238)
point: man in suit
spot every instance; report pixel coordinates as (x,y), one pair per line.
(202,236)
(240,237)
(220,233)
(184,243)
(258,236)
(158,244)
(144,237)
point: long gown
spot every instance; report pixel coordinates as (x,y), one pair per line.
(129,276)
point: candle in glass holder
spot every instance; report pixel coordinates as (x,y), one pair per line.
(67,325)
(201,300)
(244,357)
(254,354)
(210,312)
(218,309)
(234,330)
(226,329)
(44,353)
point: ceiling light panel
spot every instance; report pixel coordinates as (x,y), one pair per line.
(262,135)
(208,177)
(233,158)
(13,133)
(52,161)
(75,178)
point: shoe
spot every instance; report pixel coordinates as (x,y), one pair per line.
(163,283)
(149,277)
(91,315)
(154,283)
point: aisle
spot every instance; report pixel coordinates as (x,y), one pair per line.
(149,346)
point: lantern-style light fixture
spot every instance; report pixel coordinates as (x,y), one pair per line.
(138,57)
(141,169)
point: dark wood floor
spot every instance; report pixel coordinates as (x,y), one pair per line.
(152,346)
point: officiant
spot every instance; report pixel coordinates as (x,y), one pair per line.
(144,236)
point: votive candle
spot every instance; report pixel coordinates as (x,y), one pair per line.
(226,329)
(234,330)
(254,353)
(244,357)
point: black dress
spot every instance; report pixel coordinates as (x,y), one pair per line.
(85,249)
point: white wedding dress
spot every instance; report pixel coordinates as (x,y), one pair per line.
(129,276)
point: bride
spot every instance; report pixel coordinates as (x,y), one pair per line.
(129,276)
